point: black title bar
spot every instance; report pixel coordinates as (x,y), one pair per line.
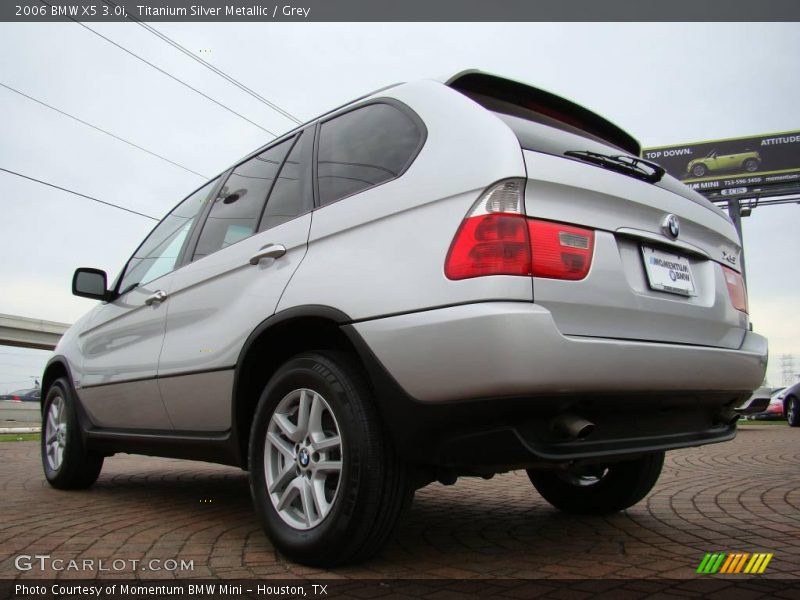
(400,10)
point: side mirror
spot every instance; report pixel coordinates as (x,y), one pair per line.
(90,283)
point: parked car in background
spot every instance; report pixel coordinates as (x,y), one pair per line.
(757,402)
(26,395)
(790,399)
(712,162)
(769,400)
(492,280)
(774,410)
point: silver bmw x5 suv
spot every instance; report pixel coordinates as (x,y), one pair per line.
(440,279)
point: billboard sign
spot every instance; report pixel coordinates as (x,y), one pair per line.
(758,165)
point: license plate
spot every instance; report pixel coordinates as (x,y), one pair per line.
(667,272)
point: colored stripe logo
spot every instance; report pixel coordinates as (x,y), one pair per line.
(734,563)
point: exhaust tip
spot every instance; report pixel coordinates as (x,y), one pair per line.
(726,417)
(572,427)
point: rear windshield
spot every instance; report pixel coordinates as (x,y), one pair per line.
(518,116)
(557,139)
(519,99)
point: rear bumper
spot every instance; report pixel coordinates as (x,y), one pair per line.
(514,348)
(477,388)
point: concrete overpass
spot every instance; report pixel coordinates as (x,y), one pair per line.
(30,333)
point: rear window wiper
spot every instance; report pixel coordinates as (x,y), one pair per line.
(621,163)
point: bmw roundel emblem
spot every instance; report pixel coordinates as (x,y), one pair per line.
(671,226)
(303,457)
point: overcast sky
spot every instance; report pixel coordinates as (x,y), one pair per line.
(664,83)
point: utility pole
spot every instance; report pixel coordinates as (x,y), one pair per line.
(787,369)
(735,213)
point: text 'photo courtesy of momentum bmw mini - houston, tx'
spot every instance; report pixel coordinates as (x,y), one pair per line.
(443,278)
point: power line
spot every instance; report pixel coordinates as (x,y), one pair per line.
(222,74)
(219,72)
(211,67)
(69,191)
(101,130)
(162,71)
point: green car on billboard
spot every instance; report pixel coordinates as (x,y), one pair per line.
(745,161)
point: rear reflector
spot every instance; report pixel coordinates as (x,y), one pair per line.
(736,289)
(560,251)
(496,238)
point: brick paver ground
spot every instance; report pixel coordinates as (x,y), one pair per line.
(739,496)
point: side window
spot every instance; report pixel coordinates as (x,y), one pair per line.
(290,196)
(160,250)
(363,148)
(236,210)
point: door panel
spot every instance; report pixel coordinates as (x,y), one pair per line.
(123,345)
(121,348)
(130,405)
(194,400)
(217,301)
(220,298)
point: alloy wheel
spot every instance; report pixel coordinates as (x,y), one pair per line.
(56,433)
(303,456)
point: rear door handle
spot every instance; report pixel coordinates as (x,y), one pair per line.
(156,298)
(268,251)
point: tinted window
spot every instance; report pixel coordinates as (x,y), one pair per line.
(237,208)
(160,250)
(363,148)
(288,198)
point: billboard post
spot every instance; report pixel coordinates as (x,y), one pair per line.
(735,213)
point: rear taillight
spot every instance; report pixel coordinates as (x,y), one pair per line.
(496,238)
(560,251)
(493,238)
(736,289)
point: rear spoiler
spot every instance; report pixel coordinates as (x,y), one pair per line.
(545,103)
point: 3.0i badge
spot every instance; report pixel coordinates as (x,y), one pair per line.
(671,226)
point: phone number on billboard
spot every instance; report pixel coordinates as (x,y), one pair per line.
(742,181)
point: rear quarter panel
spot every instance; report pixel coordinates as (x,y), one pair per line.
(382,251)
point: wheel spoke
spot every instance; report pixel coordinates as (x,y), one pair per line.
(307,500)
(330,443)
(289,494)
(290,430)
(315,418)
(283,479)
(303,413)
(320,501)
(282,445)
(52,426)
(328,466)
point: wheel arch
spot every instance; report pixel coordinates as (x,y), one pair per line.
(275,340)
(56,368)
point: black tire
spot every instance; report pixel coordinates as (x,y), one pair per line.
(616,487)
(793,411)
(699,170)
(77,468)
(750,165)
(372,486)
